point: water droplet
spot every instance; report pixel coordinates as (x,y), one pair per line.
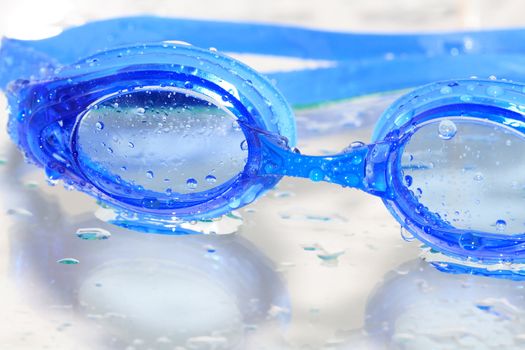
(351,180)
(191,183)
(357,159)
(213,49)
(188,85)
(283,194)
(495,91)
(353,145)
(244,145)
(408,180)
(406,235)
(316,174)
(19,212)
(330,257)
(92,234)
(446,90)
(68,261)
(501,225)
(211,179)
(31,184)
(466,98)
(52,175)
(150,174)
(150,203)
(310,247)
(234,203)
(99,125)
(236,126)
(131,145)
(478,177)
(469,241)
(447,129)
(356,144)
(140,111)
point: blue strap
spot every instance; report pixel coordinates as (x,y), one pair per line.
(363,63)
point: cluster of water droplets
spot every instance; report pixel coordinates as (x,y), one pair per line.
(161,141)
(467,173)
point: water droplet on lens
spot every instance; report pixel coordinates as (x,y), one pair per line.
(501,225)
(447,129)
(150,174)
(211,179)
(99,125)
(131,145)
(140,111)
(191,183)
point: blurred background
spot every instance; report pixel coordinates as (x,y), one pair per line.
(306,267)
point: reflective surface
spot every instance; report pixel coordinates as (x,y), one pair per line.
(312,267)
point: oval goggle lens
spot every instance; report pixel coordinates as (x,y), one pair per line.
(470,172)
(162,141)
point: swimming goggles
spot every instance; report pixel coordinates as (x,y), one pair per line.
(165,131)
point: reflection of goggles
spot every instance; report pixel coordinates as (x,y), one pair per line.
(171,131)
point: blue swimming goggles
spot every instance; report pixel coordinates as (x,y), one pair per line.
(165,131)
